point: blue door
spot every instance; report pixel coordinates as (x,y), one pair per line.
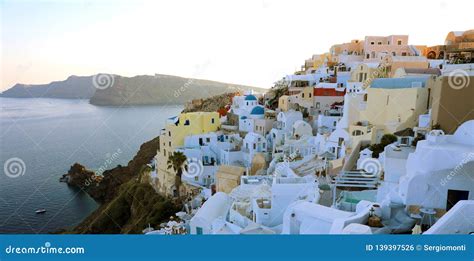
(199,230)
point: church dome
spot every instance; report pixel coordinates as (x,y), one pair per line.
(250,98)
(258,110)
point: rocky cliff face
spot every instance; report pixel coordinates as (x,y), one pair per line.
(116,90)
(74,87)
(128,202)
(104,188)
(214,103)
(160,89)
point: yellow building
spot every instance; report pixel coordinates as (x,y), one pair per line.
(364,71)
(172,136)
(284,103)
(396,103)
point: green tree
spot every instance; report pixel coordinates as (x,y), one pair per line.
(176,161)
(388,139)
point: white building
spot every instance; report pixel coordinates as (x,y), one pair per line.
(247,122)
(216,207)
(441,170)
(285,120)
(253,143)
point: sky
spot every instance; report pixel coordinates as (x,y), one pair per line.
(245,42)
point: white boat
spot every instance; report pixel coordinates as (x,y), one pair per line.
(40,211)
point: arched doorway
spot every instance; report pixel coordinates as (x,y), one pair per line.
(431,55)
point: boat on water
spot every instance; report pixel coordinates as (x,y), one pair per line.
(40,211)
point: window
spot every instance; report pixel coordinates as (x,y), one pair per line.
(372,43)
(334,123)
(365,97)
(404,54)
(309,95)
(367,56)
(399,42)
(169,143)
(388,42)
(302,95)
(212,120)
(199,230)
(208,140)
(254,146)
(340,141)
(405,141)
(186,122)
(164,152)
(317,105)
(169,133)
(379,43)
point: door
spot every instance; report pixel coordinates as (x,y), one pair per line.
(198,230)
(454,196)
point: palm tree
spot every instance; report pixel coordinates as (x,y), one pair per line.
(176,161)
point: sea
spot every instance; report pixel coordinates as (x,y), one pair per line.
(41,138)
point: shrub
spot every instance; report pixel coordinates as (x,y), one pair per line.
(388,139)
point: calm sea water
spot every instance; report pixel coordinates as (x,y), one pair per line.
(48,136)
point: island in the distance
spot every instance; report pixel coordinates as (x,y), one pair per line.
(115,90)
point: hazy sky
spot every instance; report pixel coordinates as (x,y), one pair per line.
(246,42)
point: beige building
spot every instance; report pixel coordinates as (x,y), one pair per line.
(379,46)
(354,47)
(458,47)
(397,62)
(364,71)
(286,102)
(263,126)
(228,177)
(452,104)
(396,103)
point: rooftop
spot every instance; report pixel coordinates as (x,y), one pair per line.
(399,83)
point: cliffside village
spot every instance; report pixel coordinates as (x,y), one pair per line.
(374,137)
